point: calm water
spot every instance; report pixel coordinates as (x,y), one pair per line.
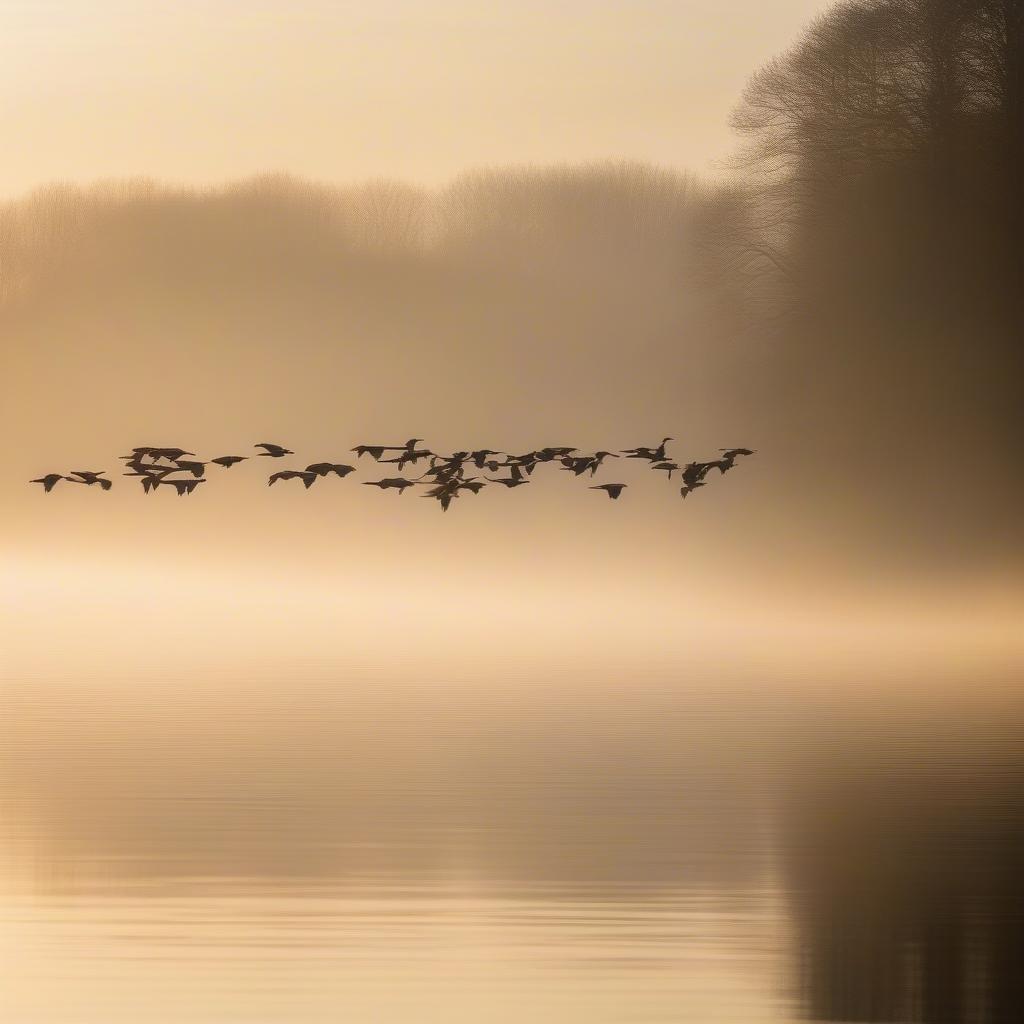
(654,858)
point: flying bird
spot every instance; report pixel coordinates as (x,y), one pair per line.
(598,458)
(509,482)
(227,461)
(49,481)
(409,455)
(292,474)
(479,457)
(323,468)
(612,490)
(391,483)
(151,475)
(444,495)
(651,454)
(577,465)
(183,487)
(275,451)
(375,451)
(87,476)
(172,454)
(694,473)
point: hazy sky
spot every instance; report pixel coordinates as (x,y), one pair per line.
(216,323)
(203,90)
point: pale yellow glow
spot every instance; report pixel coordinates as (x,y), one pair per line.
(205,90)
(91,621)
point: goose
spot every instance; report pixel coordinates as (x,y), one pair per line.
(274,451)
(479,457)
(396,483)
(408,456)
(195,468)
(183,487)
(577,465)
(373,450)
(227,461)
(444,495)
(612,490)
(292,474)
(550,454)
(599,457)
(151,475)
(651,454)
(172,454)
(509,482)
(323,468)
(49,481)
(694,473)
(87,476)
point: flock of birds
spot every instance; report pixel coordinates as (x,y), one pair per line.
(445,476)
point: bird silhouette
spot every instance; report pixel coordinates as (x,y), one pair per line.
(324,468)
(49,481)
(183,487)
(227,461)
(87,476)
(550,454)
(668,467)
(651,454)
(161,453)
(151,475)
(731,453)
(274,451)
(577,465)
(508,481)
(444,494)
(391,483)
(687,489)
(694,473)
(525,462)
(479,457)
(409,456)
(375,451)
(598,459)
(612,490)
(186,466)
(307,478)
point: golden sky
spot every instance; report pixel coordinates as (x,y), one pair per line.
(207,90)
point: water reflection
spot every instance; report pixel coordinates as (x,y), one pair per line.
(651,856)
